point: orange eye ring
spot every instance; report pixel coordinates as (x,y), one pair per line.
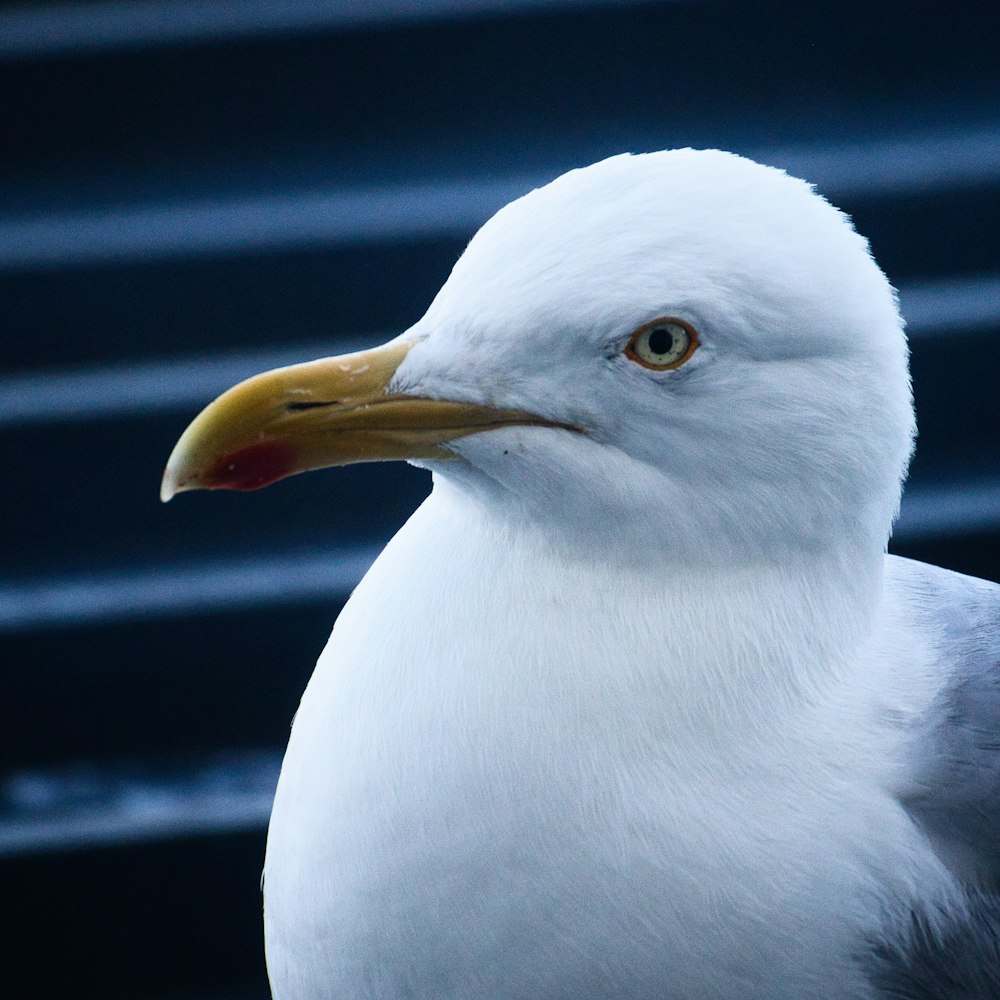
(662,344)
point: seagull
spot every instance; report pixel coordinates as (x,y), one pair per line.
(635,705)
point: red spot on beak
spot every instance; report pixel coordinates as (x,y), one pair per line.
(251,468)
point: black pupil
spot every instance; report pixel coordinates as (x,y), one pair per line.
(661,340)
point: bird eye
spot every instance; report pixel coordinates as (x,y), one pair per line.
(662,344)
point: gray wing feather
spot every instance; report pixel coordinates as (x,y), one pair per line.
(956,797)
(953,957)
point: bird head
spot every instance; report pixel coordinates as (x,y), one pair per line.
(684,349)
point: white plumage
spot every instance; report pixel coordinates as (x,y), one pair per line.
(635,705)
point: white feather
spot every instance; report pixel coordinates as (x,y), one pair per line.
(625,714)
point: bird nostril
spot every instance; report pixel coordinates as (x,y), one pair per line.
(310,406)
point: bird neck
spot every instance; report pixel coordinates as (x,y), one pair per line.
(707,648)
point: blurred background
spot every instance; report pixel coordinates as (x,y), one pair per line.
(195,190)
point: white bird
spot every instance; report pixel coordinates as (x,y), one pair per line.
(635,705)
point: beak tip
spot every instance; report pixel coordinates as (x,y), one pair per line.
(172,483)
(168,490)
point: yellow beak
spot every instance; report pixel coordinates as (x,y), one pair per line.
(334,411)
